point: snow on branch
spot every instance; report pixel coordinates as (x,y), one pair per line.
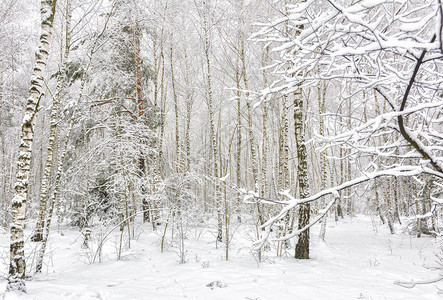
(294,202)
(379,122)
(258,244)
(412,283)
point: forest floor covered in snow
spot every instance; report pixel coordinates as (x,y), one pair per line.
(359,260)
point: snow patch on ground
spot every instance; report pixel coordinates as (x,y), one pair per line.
(357,261)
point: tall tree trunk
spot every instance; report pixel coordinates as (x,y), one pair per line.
(174,93)
(4,196)
(38,232)
(138,70)
(149,207)
(5,193)
(213,138)
(141,118)
(283,166)
(388,205)
(302,247)
(418,220)
(349,200)
(251,139)
(396,206)
(377,202)
(162,105)
(386,185)
(53,199)
(189,102)
(264,129)
(17,266)
(340,201)
(63,151)
(376,184)
(323,160)
(159,170)
(264,159)
(239,139)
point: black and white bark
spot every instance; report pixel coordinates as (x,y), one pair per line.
(17,265)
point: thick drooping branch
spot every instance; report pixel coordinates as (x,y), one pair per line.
(414,142)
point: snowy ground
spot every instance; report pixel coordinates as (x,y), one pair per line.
(357,262)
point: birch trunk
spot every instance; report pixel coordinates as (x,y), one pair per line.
(38,232)
(148,207)
(64,150)
(386,185)
(213,137)
(376,185)
(323,161)
(54,195)
(264,129)
(160,172)
(189,102)
(141,118)
(239,140)
(141,115)
(302,247)
(162,104)
(174,93)
(283,168)
(349,200)
(251,139)
(17,266)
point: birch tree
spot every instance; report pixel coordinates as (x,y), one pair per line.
(209,100)
(304,212)
(38,232)
(17,266)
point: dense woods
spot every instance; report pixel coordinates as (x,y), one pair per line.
(259,118)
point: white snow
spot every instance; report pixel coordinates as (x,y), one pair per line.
(224,178)
(360,260)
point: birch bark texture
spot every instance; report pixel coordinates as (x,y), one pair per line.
(304,212)
(38,232)
(43,232)
(17,265)
(213,137)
